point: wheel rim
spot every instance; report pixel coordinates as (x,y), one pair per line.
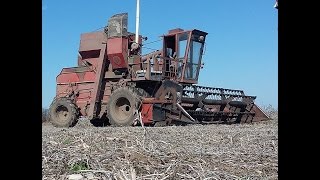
(62,113)
(122,109)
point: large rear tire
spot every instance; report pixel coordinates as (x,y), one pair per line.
(122,105)
(63,113)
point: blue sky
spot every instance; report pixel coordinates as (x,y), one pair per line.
(241,46)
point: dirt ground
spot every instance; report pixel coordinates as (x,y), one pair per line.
(239,151)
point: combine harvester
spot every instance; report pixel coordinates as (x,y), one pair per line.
(115,83)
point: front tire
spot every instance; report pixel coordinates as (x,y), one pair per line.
(63,113)
(121,107)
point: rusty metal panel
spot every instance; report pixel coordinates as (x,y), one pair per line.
(174,31)
(84,95)
(96,92)
(92,41)
(82,106)
(118,25)
(85,85)
(62,90)
(259,114)
(76,77)
(67,78)
(116,45)
(89,76)
(92,62)
(146,113)
(107,92)
(117,49)
(106,95)
(74,69)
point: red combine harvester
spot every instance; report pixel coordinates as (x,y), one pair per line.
(114,83)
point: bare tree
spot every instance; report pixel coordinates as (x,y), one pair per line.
(45,115)
(271,111)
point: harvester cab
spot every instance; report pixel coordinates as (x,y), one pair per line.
(183,54)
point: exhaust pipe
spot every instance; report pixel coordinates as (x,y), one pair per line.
(137,21)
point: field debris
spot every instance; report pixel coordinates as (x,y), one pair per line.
(238,151)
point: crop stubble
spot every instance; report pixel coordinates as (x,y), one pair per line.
(239,151)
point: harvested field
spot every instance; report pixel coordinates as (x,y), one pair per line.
(240,151)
